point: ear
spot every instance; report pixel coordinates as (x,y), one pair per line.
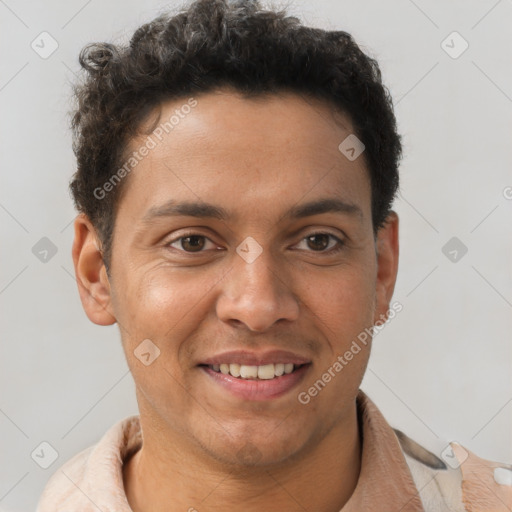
(387,266)
(91,274)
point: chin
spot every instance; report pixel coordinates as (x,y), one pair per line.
(255,451)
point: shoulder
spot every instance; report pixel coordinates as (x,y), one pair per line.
(93,478)
(61,489)
(452,478)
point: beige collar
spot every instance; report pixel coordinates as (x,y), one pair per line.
(385,482)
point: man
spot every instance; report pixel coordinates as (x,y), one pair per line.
(215,153)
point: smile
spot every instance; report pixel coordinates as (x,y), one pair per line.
(256,383)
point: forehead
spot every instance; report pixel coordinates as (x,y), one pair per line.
(226,149)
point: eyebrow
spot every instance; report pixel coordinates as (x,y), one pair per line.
(207,210)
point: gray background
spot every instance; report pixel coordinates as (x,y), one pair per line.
(440,371)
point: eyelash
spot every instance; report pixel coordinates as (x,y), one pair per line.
(339,246)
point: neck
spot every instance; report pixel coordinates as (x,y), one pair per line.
(321,478)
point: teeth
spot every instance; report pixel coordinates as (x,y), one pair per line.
(264,372)
(248,372)
(234,369)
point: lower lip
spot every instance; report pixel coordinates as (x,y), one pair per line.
(258,390)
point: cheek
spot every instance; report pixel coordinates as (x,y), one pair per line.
(166,307)
(344,301)
(158,304)
(343,312)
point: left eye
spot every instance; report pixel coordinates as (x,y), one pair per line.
(320,242)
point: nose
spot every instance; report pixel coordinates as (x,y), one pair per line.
(257,294)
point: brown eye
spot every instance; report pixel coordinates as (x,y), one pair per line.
(323,243)
(190,243)
(318,242)
(194,243)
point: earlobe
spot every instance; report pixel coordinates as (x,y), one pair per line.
(387,266)
(91,275)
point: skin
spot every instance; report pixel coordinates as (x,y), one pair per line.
(257,158)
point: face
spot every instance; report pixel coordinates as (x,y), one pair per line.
(243,238)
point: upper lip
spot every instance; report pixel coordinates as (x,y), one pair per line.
(256,358)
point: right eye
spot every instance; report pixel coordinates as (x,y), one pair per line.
(190,243)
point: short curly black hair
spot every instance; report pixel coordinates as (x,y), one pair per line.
(210,44)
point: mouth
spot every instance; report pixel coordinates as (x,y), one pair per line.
(256,377)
